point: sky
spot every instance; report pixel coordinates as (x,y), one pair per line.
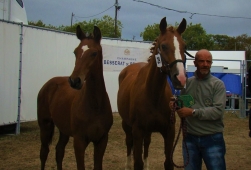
(224,17)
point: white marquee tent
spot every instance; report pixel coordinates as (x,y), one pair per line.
(29,56)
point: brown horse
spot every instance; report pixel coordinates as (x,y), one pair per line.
(144,95)
(78,105)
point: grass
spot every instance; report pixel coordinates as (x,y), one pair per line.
(21,152)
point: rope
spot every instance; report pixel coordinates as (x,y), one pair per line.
(183,128)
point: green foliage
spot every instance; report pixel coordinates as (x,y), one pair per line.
(106,24)
(40,23)
(196,37)
(221,42)
(151,32)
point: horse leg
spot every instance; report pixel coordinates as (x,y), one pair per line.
(80,144)
(168,142)
(137,148)
(129,145)
(60,149)
(99,150)
(147,142)
(46,134)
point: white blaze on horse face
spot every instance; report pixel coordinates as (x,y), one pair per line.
(84,48)
(181,77)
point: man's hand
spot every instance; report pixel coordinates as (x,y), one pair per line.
(185,112)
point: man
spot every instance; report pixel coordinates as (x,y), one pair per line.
(204,118)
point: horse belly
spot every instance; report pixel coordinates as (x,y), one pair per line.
(61,112)
(92,126)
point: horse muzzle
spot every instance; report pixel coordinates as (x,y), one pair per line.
(178,81)
(75,83)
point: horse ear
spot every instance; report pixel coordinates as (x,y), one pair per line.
(182,26)
(97,34)
(80,34)
(163,25)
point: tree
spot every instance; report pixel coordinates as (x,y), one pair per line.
(196,38)
(40,23)
(106,24)
(243,43)
(151,32)
(221,42)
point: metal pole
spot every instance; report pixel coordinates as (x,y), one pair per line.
(116,10)
(243,106)
(71,18)
(19,80)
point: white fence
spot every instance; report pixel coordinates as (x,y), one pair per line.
(29,56)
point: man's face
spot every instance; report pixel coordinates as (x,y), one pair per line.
(203,64)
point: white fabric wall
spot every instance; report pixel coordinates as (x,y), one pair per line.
(9,71)
(47,54)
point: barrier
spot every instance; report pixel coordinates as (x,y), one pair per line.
(29,56)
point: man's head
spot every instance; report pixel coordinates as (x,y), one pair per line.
(203,62)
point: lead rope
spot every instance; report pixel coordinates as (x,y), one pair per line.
(183,127)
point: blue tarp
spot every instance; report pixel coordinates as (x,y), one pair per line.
(232,82)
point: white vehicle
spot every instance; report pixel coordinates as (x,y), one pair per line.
(13,10)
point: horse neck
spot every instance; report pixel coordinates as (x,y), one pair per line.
(96,84)
(94,90)
(155,80)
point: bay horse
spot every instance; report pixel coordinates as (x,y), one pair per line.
(78,105)
(144,95)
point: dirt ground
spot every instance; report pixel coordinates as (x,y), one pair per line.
(21,152)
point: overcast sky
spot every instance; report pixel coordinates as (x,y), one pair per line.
(135,16)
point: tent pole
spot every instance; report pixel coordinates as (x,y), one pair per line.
(19,79)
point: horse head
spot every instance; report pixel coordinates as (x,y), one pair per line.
(171,49)
(88,57)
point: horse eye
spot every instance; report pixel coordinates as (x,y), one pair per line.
(164,47)
(94,54)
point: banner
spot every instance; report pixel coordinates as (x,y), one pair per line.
(115,58)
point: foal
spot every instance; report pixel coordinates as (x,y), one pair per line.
(78,105)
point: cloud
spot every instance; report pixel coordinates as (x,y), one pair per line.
(135,16)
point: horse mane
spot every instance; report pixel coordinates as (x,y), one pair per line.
(152,48)
(171,28)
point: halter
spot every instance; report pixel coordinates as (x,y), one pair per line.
(167,65)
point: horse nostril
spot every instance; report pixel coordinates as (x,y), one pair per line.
(75,83)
